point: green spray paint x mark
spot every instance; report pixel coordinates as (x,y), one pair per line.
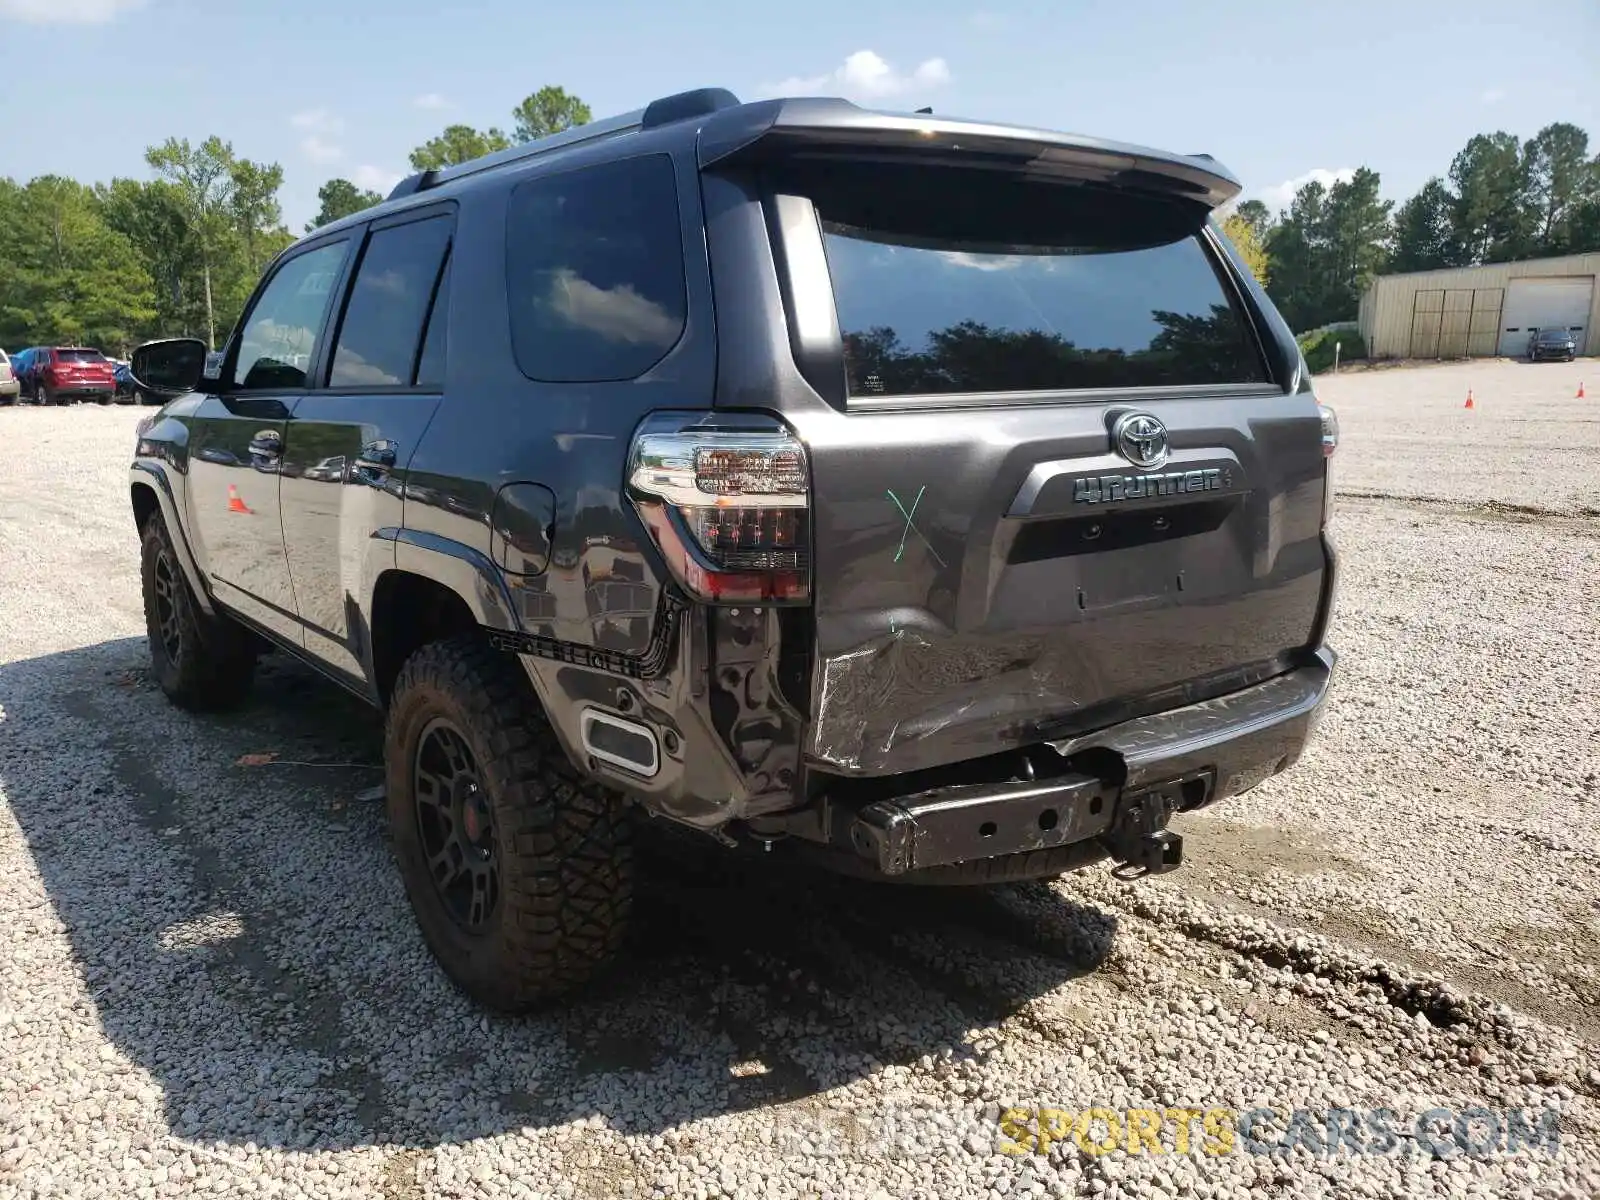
(911,528)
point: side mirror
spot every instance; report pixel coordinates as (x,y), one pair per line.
(169,367)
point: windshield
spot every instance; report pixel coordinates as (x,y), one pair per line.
(1552,335)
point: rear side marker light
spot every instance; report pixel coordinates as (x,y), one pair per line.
(729,509)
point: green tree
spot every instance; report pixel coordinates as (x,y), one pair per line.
(151,214)
(257,216)
(1293,247)
(1490,219)
(1326,249)
(1583,229)
(1356,235)
(1423,230)
(1560,178)
(457,144)
(549,110)
(1241,231)
(340,198)
(1256,215)
(67,276)
(204,178)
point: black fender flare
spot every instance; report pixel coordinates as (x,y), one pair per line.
(148,475)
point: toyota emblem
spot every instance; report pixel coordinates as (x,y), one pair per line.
(1141,439)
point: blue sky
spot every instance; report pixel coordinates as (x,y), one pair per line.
(1277,90)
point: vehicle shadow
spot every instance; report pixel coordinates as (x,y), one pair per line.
(244,938)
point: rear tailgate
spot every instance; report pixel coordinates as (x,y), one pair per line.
(1062,473)
(78,368)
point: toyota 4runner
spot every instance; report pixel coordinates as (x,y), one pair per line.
(944,500)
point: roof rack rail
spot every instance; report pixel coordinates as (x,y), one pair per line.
(412,184)
(667,109)
(683,105)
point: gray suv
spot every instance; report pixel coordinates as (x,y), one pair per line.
(943,501)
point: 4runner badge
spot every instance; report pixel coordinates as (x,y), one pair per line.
(1097,489)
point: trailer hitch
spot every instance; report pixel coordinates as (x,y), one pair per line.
(1139,841)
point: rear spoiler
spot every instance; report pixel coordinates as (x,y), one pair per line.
(777,129)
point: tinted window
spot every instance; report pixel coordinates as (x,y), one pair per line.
(280,336)
(595,271)
(430,367)
(394,285)
(80,356)
(977,284)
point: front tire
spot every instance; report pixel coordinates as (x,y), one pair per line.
(204,664)
(519,870)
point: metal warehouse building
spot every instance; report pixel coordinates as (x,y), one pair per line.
(1481,311)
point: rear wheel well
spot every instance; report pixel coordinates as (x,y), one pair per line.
(144,503)
(408,612)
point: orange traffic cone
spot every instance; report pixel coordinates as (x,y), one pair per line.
(1580,389)
(235,504)
(1468,404)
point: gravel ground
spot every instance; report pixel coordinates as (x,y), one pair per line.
(210,982)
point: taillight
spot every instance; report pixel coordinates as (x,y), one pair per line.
(729,507)
(1330,430)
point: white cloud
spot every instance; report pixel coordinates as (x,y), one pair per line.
(67,12)
(318,120)
(865,75)
(317,150)
(431,101)
(375,179)
(617,314)
(1281,196)
(1493,96)
(983,262)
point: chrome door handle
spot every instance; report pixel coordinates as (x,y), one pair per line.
(376,460)
(267,444)
(377,456)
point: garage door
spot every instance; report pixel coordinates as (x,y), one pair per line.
(1544,301)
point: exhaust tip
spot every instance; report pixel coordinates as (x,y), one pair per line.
(622,743)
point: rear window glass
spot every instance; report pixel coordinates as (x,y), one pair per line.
(80,356)
(594,271)
(987,284)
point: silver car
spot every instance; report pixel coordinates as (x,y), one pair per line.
(9,387)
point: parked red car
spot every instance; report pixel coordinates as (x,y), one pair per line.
(57,374)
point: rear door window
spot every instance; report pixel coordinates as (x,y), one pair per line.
(394,287)
(594,271)
(983,285)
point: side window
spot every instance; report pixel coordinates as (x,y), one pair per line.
(430,367)
(394,285)
(594,271)
(280,335)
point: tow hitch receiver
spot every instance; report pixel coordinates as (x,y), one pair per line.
(1139,841)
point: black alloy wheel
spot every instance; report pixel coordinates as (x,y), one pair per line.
(455,826)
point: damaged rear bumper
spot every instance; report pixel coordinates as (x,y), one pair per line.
(1142,772)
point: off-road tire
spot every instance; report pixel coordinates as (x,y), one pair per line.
(564,845)
(212,664)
